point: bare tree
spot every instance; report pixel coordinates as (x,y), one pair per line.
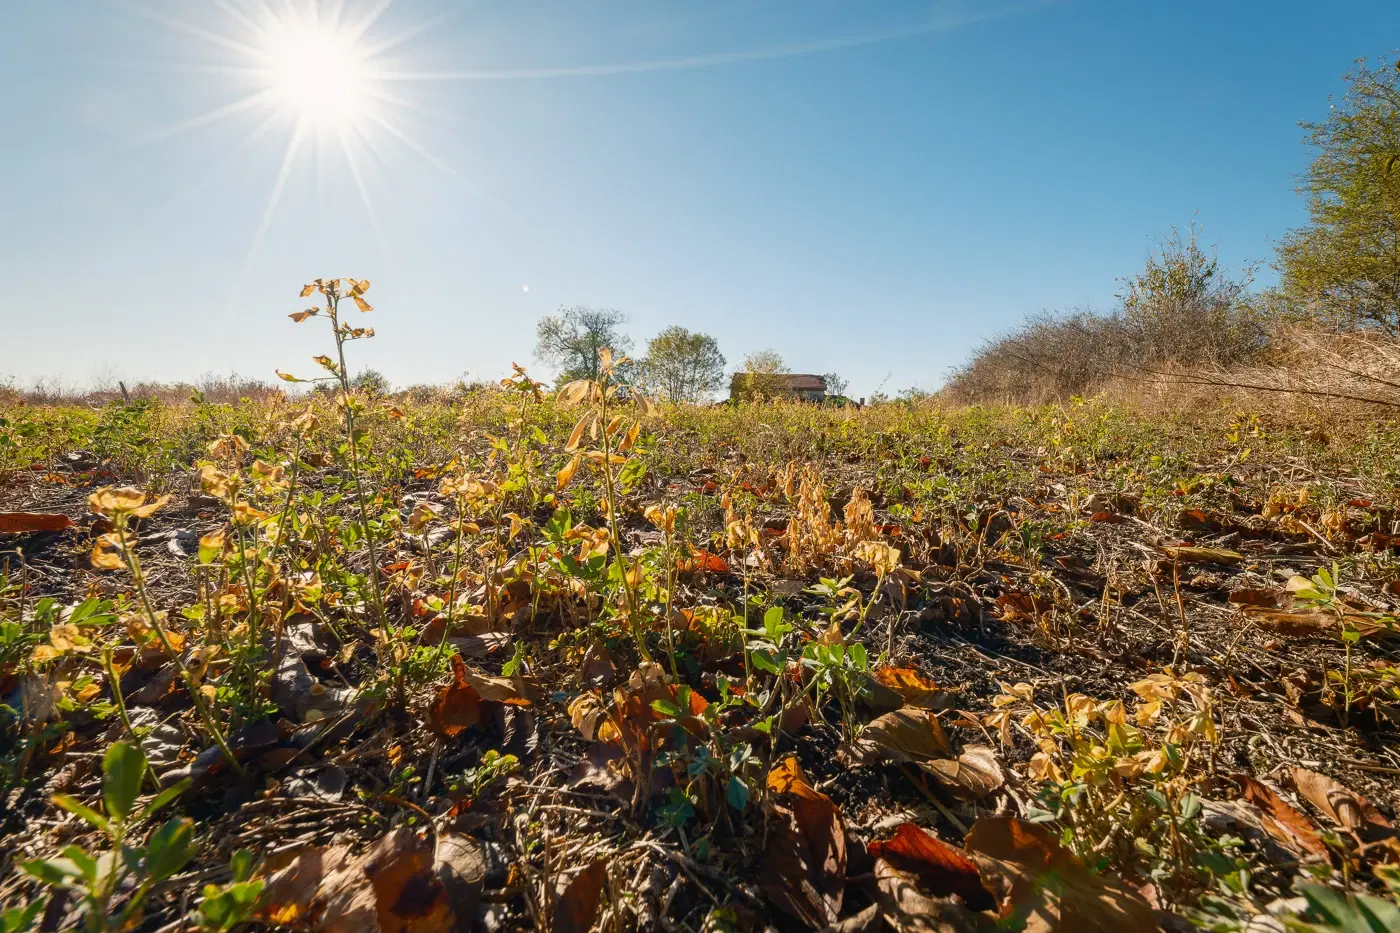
(570,340)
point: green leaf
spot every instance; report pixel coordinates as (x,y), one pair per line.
(20,919)
(764,661)
(55,871)
(773,621)
(170,848)
(164,797)
(242,864)
(1340,913)
(86,863)
(224,909)
(92,816)
(738,793)
(666,707)
(123,767)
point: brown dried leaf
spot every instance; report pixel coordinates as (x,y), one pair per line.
(975,773)
(1044,886)
(1343,806)
(805,861)
(911,734)
(1292,829)
(916,689)
(577,906)
(392,888)
(907,910)
(1205,555)
(942,870)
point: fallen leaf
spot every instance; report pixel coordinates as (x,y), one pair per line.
(1205,555)
(805,860)
(1309,623)
(702,560)
(1260,598)
(1344,807)
(457,706)
(392,888)
(512,691)
(915,689)
(18,522)
(906,909)
(1045,887)
(1281,820)
(910,734)
(975,773)
(577,906)
(1016,606)
(942,870)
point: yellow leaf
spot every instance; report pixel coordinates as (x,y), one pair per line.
(362,304)
(110,500)
(300,316)
(576,436)
(631,437)
(307,290)
(107,553)
(150,507)
(214,481)
(566,475)
(574,392)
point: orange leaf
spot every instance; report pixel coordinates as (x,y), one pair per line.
(457,706)
(15,522)
(805,861)
(915,688)
(941,869)
(701,559)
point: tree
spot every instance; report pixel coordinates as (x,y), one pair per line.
(371,382)
(835,386)
(571,339)
(758,377)
(683,365)
(1343,268)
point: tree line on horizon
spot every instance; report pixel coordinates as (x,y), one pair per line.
(679,364)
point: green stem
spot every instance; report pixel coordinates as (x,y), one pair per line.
(134,565)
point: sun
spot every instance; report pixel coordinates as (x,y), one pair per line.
(317,72)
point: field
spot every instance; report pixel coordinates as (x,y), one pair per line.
(518,658)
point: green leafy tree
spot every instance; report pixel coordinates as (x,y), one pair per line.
(570,340)
(1343,267)
(683,365)
(759,375)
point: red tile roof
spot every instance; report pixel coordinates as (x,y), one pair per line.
(791,382)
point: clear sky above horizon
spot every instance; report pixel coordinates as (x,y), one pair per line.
(868,188)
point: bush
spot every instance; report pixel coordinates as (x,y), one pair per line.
(1180,311)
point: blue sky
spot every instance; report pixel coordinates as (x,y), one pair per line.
(869,188)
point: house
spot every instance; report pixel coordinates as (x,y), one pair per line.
(804,386)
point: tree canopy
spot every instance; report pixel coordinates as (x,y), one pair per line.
(1343,267)
(683,365)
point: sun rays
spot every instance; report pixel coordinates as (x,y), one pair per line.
(330,80)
